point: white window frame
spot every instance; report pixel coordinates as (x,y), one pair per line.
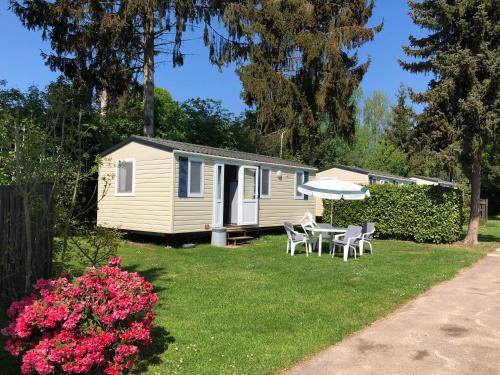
(266,196)
(296,194)
(202,177)
(128,194)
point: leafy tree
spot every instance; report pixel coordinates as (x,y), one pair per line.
(376,116)
(462,101)
(208,123)
(399,131)
(170,119)
(388,158)
(300,71)
(51,137)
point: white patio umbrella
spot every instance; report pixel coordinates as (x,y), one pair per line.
(335,189)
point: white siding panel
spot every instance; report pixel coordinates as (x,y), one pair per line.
(150,209)
(282,206)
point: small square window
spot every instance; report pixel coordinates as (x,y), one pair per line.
(195,178)
(265,183)
(299,180)
(125,170)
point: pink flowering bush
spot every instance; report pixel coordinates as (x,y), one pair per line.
(95,323)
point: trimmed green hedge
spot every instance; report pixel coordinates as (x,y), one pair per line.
(421,213)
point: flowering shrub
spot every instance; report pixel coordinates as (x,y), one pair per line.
(95,323)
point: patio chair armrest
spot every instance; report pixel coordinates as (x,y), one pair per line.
(337,236)
(352,240)
(367,236)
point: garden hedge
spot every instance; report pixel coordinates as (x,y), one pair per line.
(421,213)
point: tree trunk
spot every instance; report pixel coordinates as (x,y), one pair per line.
(148,72)
(103,102)
(475,197)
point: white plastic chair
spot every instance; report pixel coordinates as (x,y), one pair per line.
(295,238)
(308,220)
(351,237)
(312,238)
(367,232)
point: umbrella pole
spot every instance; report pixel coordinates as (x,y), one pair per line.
(331,212)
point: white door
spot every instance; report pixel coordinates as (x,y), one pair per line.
(218,219)
(248,182)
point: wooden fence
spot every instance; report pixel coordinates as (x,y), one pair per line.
(14,241)
(483,210)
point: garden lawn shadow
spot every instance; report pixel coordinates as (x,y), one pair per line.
(489,232)
(151,355)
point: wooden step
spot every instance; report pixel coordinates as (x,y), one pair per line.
(239,239)
(235,229)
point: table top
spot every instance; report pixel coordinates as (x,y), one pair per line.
(325,228)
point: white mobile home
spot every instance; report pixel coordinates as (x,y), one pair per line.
(424,180)
(167,187)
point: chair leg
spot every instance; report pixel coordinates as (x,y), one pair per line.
(371,248)
(287,246)
(361,247)
(293,248)
(307,252)
(346,252)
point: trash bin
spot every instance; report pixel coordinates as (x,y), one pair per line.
(219,237)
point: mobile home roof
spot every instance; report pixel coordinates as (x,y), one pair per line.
(436,180)
(168,145)
(369,172)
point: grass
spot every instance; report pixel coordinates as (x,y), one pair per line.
(490,232)
(254,310)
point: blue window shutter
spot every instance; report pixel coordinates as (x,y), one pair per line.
(259,174)
(306,178)
(183,176)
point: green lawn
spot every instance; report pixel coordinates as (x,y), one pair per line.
(490,232)
(255,310)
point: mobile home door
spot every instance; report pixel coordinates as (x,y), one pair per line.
(218,215)
(248,182)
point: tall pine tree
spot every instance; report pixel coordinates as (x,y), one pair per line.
(300,70)
(462,101)
(401,126)
(105,45)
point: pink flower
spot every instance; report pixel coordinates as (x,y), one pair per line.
(115,261)
(95,322)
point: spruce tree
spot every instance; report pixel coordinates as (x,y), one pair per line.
(461,101)
(400,130)
(299,70)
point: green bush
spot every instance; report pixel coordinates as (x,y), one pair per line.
(421,213)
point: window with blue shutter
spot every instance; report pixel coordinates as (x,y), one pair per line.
(299,180)
(183,177)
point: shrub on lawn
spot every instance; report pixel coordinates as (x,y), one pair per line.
(95,323)
(422,213)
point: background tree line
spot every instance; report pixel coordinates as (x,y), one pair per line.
(300,74)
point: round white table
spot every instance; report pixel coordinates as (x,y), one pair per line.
(322,229)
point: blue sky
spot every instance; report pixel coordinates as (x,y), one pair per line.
(21,64)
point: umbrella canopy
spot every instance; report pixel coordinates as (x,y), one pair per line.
(335,189)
